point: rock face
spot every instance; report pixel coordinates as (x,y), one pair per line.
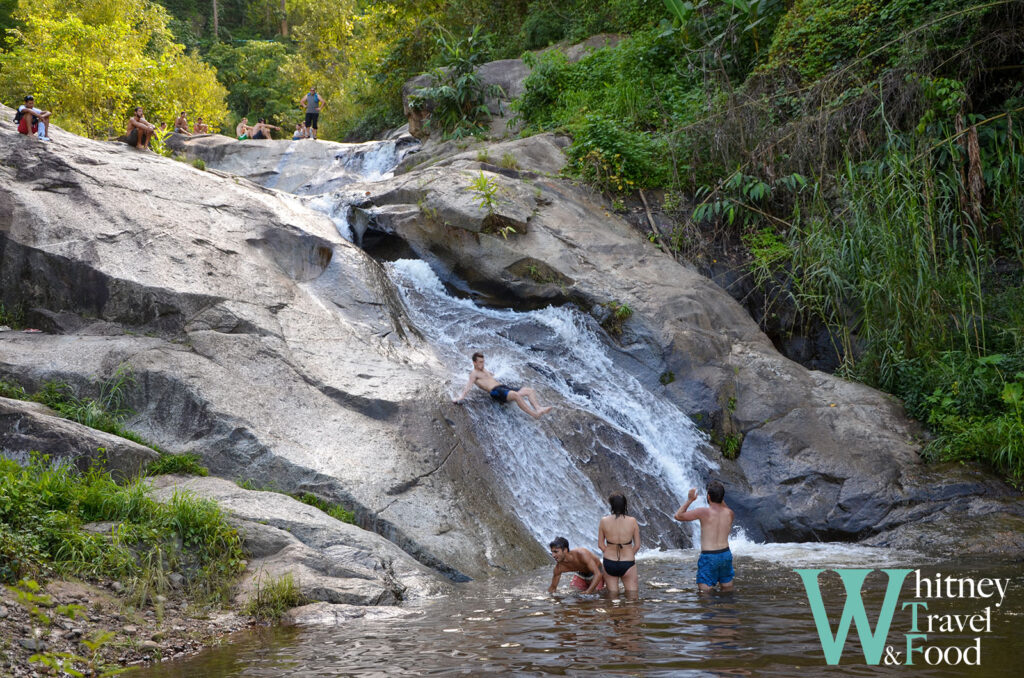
(282,353)
(330,561)
(30,427)
(819,457)
(259,339)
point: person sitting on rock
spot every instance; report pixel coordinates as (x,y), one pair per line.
(300,132)
(525,398)
(139,130)
(181,124)
(31,118)
(242,130)
(200,127)
(262,129)
(588,575)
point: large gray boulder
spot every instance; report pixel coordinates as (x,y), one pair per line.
(329,561)
(819,457)
(259,339)
(27,427)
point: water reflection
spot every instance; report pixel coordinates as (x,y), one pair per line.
(511,627)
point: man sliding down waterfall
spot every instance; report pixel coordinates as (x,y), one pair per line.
(526,398)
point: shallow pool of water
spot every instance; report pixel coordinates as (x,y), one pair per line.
(512,627)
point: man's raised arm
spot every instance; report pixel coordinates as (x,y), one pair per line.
(684,513)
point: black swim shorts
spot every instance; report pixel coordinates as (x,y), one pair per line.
(500,392)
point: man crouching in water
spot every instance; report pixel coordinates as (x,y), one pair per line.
(715,563)
(526,398)
(588,575)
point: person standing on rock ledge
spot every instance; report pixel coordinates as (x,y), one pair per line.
(313,104)
(715,563)
(526,398)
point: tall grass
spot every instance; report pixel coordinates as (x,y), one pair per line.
(106,413)
(43,506)
(906,274)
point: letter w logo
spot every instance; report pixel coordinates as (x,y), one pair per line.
(871,643)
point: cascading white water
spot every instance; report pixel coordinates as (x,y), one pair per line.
(558,351)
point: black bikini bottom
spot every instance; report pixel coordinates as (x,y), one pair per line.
(617,568)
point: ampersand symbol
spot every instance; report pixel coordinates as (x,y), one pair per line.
(891,657)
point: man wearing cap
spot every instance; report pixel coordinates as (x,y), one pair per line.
(313,103)
(32,118)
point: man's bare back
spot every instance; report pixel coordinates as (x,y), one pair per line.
(715,564)
(525,398)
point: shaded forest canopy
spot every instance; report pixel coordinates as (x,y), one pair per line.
(859,161)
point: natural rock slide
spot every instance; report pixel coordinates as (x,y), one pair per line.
(283,354)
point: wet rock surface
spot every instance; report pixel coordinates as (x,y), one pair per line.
(258,338)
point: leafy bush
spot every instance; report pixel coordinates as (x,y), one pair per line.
(92,62)
(542,28)
(613,157)
(458,97)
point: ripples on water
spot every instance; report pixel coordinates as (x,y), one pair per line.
(511,627)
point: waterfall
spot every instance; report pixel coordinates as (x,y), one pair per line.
(561,353)
(547,474)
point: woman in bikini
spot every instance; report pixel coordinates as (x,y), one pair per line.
(618,537)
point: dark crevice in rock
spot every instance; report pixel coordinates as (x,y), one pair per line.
(413,482)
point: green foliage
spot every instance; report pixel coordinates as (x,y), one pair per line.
(975,404)
(91,63)
(486,190)
(261,80)
(618,313)
(458,96)
(613,157)
(185,464)
(12,316)
(65,663)
(274,597)
(333,510)
(199,164)
(509,161)
(543,28)
(158,142)
(43,506)
(731,445)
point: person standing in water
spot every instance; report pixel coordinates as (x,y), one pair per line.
(525,398)
(715,563)
(618,537)
(588,576)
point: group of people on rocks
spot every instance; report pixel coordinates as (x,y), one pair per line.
(618,538)
(618,535)
(33,120)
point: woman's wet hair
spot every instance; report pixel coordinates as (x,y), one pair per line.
(559,543)
(617,502)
